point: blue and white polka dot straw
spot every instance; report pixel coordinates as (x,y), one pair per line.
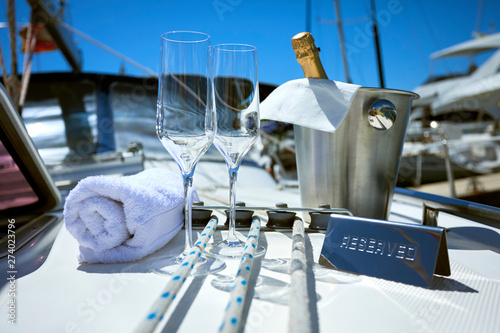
(160,306)
(234,309)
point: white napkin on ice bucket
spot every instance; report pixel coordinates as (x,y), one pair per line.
(315,103)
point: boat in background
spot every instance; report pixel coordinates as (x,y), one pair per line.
(469,96)
(454,126)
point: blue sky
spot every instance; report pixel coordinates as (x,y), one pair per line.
(410,30)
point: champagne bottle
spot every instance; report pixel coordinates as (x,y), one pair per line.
(307,55)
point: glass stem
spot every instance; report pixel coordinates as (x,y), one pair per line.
(188,191)
(233,175)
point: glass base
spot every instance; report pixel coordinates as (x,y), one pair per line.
(225,282)
(233,249)
(204,266)
(280,265)
(274,291)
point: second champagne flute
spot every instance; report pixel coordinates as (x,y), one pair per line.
(236,90)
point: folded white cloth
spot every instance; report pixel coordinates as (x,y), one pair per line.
(315,103)
(120,219)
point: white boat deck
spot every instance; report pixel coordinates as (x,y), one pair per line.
(65,296)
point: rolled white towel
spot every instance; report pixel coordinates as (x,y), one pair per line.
(120,219)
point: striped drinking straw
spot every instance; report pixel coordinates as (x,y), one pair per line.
(160,306)
(234,309)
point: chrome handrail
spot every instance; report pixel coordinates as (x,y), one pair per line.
(433,203)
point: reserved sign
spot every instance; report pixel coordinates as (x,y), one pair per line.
(394,251)
(380,247)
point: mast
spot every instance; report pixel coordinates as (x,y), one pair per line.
(48,13)
(342,40)
(377,46)
(308,15)
(339,23)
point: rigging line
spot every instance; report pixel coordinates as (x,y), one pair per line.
(28,62)
(479,15)
(322,34)
(359,70)
(4,68)
(106,48)
(27,44)
(308,15)
(67,13)
(346,22)
(423,57)
(340,29)
(11,17)
(433,34)
(13,84)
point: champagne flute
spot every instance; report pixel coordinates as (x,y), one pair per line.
(236,99)
(185,122)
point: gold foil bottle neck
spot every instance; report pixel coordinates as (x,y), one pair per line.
(307,55)
(303,40)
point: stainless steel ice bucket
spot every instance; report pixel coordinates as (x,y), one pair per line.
(356,167)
